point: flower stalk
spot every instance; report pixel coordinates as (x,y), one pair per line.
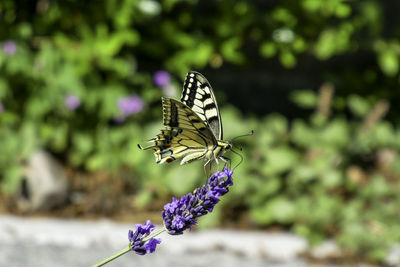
(178,215)
(129,248)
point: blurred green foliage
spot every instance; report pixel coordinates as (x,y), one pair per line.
(332,174)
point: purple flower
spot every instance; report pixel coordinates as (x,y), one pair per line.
(9,47)
(161,78)
(145,228)
(72,102)
(182,213)
(151,245)
(136,239)
(1,108)
(130,105)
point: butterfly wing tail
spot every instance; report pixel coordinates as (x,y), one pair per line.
(162,154)
(162,146)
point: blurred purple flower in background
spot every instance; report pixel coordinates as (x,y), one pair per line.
(161,78)
(1,108)
(72,102)
(9,47)
(130,105)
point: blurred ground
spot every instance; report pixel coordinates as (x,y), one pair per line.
(54,242)
(92,196)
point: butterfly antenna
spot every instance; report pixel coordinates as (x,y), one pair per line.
(240,148)
(241,158)
(243,135)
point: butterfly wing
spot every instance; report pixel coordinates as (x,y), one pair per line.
(198,95)
(185,135)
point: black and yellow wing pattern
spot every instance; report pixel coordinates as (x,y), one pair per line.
(192,127)
(198,95)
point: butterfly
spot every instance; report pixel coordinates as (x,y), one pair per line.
(192,126)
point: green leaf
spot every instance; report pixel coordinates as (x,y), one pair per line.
(268,49)
(302,134)
(336,133)
(287,59)
(389,62)
(305,98)
(343,10)
(358,105)
(13,176)
(279,160)
(279,210)
(230,50)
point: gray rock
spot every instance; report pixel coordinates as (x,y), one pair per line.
(45,186)
(393,258)
(327,250)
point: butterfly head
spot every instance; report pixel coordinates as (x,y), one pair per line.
(228,146)
(225,145)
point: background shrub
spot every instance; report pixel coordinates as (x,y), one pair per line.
(82,80)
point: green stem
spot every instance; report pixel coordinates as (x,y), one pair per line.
(113,257)
(154,233)
(122,252)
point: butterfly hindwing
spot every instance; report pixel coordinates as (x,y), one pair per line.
(175,143)
(185,135)
(198,95)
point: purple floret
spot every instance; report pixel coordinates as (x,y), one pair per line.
(130,105)
(161,78)
(72,102)
(136,239)
(181,214)
(9,47)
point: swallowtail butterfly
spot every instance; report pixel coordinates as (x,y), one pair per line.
(193,126)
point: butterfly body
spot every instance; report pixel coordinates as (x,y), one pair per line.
(193,126)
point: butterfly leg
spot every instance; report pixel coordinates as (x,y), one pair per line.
(226,160)
(208,161)
(210,167)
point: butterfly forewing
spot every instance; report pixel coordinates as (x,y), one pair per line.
(176,114)
(198,95)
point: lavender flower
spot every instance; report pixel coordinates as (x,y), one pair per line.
(151,245)
(161,78)
(9,47)
(72,102)
(181,214)
(178,215)
(136,239)
(130,105)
